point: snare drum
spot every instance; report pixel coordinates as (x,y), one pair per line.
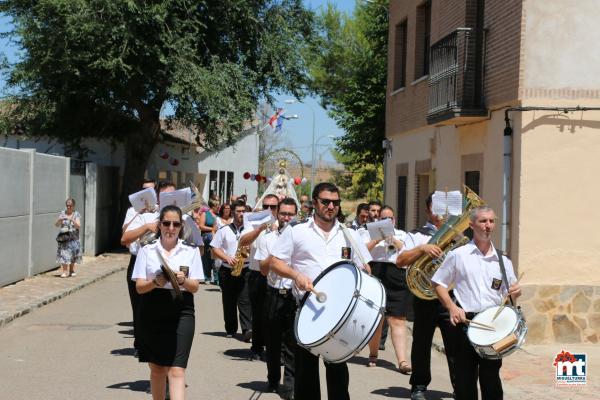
(509,334)
(341,326)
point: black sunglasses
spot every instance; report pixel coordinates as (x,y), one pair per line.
(271,206)
(167,224)
(327,202)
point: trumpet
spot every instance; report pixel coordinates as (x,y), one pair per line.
(388,241)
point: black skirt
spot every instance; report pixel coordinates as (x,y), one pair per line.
(399,299)
(166,328)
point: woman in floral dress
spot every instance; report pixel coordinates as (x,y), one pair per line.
(69,251)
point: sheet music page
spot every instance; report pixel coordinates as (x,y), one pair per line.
(450,201)
(143,199)
(380,229)
(258,218)
(179,198)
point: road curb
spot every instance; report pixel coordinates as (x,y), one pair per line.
(8,317)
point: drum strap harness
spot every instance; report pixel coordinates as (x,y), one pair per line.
(504,277)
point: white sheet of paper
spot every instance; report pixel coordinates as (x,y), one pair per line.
(380,229)
(196,236)
(179,198)
(144,199)
(258,218)
(451,201)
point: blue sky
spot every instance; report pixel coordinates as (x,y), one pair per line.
(296,133)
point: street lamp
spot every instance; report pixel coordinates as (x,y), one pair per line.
(312,168)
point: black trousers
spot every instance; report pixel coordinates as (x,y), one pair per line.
(430,314)
(307,385)
(134,297)
(234,291)
(279,314)
(257,287)
(470,367)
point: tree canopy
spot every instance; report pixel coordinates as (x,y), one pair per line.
(107,68)
(349,73)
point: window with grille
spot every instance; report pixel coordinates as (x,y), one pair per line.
(422,39)
(400,44)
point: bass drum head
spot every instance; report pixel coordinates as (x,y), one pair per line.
(316,320)
(505,324)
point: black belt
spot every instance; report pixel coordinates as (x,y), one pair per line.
(282,292)
(230,267)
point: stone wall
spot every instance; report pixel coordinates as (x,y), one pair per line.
(561,313)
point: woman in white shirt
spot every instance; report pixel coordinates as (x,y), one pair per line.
(166,321)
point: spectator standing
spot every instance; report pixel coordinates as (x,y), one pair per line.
(69,246)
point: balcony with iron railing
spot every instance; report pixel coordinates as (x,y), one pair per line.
(456,79)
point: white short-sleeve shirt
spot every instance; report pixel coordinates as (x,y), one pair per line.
(264,248)
(227,240)
(381,252)
(305,248)
(148,262)
(138,221)
(477,277)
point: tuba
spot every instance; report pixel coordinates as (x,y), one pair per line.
(419,273)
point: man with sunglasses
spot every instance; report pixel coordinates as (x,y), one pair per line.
(257,283)
(234,289)
(279,308)
(301,253)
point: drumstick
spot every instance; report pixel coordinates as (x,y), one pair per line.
(321,296)
(505,300)
(479,324)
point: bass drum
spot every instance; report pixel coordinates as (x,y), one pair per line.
(340,327)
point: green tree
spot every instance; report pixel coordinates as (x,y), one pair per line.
(349,72)
(107,68)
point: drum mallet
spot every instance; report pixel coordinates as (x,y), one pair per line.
(505,300)
(321,296)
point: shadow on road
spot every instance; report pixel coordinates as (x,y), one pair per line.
(220,334)
(212,290)
(404,393)
(136,386)
(359,360)
(257,386)
(127,351)
(127,323)
(127,332)
(238,354)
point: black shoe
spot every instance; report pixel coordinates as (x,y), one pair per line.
(247,336)
(229,335)
(255,356)
(418,394)
(382,346)
(272,388)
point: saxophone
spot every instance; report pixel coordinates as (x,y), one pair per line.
(241,254)
(419,273)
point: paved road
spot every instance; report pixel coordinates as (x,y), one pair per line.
(80,347)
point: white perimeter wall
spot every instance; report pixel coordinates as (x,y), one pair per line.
(35,187)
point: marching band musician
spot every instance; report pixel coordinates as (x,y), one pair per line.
(427,313)
(399,298)
(475,270)
(257,283)
(167,323)
(279,308)
(374,210)
(301,253)
(234,289)
(362,216)
(134,227)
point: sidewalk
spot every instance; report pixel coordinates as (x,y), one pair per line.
(25,296)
